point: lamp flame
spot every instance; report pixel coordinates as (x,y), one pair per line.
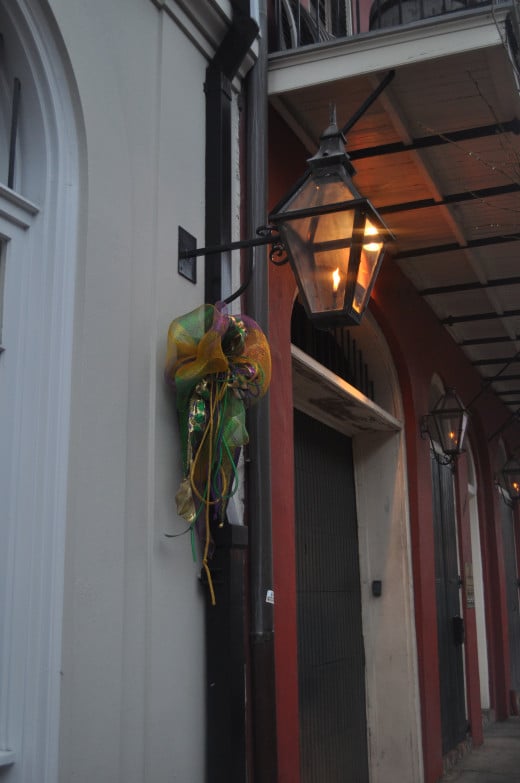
(371,231)
(336,279)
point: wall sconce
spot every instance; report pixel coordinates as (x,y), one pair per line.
(330,234)
(510,475)
(446,425)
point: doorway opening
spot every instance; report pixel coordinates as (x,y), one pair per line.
(354,585)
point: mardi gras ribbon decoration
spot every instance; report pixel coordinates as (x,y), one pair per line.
(218,364)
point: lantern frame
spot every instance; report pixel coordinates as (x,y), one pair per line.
(314,257)
(447,424)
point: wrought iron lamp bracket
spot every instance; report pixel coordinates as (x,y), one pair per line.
(266,235)
(278,252)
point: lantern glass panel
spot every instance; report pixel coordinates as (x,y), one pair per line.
(322,274)
(370,254)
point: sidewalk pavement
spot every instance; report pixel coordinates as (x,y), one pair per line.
(496,761)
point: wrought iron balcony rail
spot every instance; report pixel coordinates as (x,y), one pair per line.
(390,13)
(295,23)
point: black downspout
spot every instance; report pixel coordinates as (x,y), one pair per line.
(225,622)
(259,479)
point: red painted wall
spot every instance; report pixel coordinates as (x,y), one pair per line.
(420,347)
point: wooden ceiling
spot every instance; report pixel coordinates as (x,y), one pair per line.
(438,153)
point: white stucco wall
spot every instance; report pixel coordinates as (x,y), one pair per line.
(132,703)
(101,615)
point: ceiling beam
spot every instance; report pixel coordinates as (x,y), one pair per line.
(458,287)
(459,319)
(454,246)
(487,341)
(499,360)
(422,142)
(453,198)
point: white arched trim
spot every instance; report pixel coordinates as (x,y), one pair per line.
(35,376)
(478,583)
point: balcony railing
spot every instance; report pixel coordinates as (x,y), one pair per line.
(301,22)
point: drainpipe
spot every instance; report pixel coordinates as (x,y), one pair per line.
(259,465)
(226,760)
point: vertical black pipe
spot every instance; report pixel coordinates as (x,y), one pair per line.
(225,622)
(259,480)
(218,174)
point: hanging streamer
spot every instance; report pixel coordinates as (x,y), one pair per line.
(219,364)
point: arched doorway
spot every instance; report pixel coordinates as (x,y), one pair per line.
(448,585)
(353,561)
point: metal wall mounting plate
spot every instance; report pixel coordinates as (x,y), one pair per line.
(187,267)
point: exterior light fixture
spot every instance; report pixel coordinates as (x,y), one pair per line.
(330,234)
(333,237)
(510,475)
(446,424)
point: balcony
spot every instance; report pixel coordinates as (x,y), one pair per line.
(296,23)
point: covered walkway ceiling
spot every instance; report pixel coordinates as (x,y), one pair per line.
(438,154)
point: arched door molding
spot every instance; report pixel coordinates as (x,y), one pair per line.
(40,237)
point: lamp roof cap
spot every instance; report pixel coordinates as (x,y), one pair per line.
(332,147)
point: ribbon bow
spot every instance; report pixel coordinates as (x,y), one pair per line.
(219,364)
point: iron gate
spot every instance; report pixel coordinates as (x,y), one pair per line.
(331,657)
(450,625)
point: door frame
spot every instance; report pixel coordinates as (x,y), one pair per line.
(40,360)
(393,701)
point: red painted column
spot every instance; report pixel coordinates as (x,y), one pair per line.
(282,174)
(284,556)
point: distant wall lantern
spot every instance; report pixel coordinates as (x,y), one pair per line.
(510,475)
(446,424)
(330,234)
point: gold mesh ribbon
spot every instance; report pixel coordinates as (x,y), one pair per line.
(219,364)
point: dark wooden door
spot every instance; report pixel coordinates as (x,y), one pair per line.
(513,608)
(331,657)
(450,627)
